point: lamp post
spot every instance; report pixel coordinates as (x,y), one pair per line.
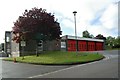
(74,12)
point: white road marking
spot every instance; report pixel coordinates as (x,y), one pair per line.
(3,57)
(107,57)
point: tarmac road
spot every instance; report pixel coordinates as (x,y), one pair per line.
(103,69)
(107,68)
(22,70)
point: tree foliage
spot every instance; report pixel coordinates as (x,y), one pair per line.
(100,36)
(113,42)
(86,34)
(36,24)
(110,42)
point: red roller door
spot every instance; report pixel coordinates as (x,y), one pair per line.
(71,45)
(91,46)
(99,46)
(82,46)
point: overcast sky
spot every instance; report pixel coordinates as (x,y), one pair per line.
(96,16)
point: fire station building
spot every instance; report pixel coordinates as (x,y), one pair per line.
(68,43)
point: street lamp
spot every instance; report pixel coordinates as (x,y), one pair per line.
(74,12)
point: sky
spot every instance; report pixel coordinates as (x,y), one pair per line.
(95,16)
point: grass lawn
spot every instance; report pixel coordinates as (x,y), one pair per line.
(58,57)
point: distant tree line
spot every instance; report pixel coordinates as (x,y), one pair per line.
(110,42)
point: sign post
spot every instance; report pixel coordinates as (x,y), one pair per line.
(23,44)
(39,47)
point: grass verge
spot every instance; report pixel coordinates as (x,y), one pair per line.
(113,49)
(58,57)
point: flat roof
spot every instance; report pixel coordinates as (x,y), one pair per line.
(81,38)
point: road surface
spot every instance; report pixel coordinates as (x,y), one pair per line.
(107,68)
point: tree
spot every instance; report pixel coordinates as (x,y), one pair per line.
(36,24)
(100,36)
(110,41)
(86,34)
(91,36)
(116,42)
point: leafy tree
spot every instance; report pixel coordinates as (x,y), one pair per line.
(91,36)
(36,24)
(86,34)
(110,41)
(100,36)
(116,43)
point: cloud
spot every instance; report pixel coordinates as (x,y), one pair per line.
(102,21)
(93,15)
(67,23)
(110,17)
(108,22)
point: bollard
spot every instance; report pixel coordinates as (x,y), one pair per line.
(14,59)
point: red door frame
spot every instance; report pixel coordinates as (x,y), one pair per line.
(71,45)
(82,45)
(91,46)
(99,46)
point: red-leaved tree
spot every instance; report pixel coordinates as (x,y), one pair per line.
(36,24)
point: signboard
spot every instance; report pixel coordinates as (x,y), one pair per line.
(8,50)
(40,46)
(63,45)
(23,43)
(7,39)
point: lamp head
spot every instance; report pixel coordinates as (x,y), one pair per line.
(74,12)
